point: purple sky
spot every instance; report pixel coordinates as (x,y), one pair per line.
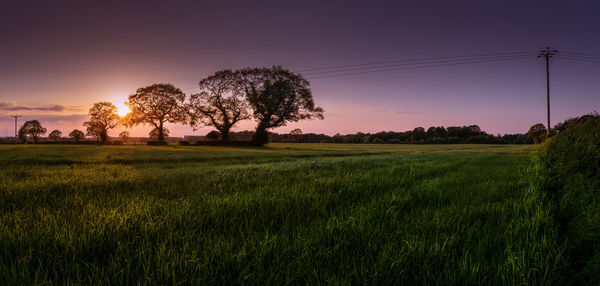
(59,57)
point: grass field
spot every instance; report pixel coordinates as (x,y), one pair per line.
(287,214)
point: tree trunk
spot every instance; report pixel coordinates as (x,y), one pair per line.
(161,134)
(224,134)
(261,136)
(103,137)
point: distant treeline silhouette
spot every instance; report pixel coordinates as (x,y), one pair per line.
(471,134)
(433,135)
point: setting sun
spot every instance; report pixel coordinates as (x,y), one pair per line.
(122,108)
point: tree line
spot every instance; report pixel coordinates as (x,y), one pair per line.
(272,97)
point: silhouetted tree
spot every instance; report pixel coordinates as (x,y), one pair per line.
(55,135)
(22,135)
(155,105)
(76,135)
(537,133)
(213,135)
(124,135)
(155,134)
(436,132)
(418,135)
(277,96)
(103,117)
(296,133)
(219,104)
(33,128)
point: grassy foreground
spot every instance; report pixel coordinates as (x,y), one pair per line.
(288,214)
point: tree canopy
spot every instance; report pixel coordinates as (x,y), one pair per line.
(277,96)
(538,133)
(155,105)
(77,135)
(220,103)
(33,128)
(103,117)
(54,135)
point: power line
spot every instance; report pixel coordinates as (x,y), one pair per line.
(580,54)
(420,66)
(416,64)
(418,59)
(370,67)
(580,59)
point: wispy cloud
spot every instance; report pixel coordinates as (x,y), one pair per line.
(9,106)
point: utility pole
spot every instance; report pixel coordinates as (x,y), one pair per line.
(547,54)
(15,116)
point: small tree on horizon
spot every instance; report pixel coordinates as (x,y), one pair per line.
(33,128)
(124,135)
(156,105)
(55,135)
(77,135)
(537,133)
(297,134)
(103,117)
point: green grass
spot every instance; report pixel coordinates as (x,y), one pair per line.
(288,214)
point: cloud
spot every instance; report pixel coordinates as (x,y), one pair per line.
(9,106)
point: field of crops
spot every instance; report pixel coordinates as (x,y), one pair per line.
(294,214)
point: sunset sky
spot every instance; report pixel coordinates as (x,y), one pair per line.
(59,57)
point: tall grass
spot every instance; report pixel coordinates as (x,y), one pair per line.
(288,214)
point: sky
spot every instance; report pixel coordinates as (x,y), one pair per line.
(59,57)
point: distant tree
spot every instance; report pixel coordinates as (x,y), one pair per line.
(453,131)
(155,105)
(213,135)
(33,128)
(124,135)
(277,96)
(219,104)
(418,135)
(437,132)
(55,135)
(22,135)
(103,117)
(155,134)
(296,133)
(77,135)
(475,129)
(537,133)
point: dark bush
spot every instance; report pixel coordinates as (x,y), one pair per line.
(571,161)
(157,143)
(184,143)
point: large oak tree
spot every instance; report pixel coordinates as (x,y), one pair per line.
(103,117)
(220,103)
(277,96)
(155,105)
